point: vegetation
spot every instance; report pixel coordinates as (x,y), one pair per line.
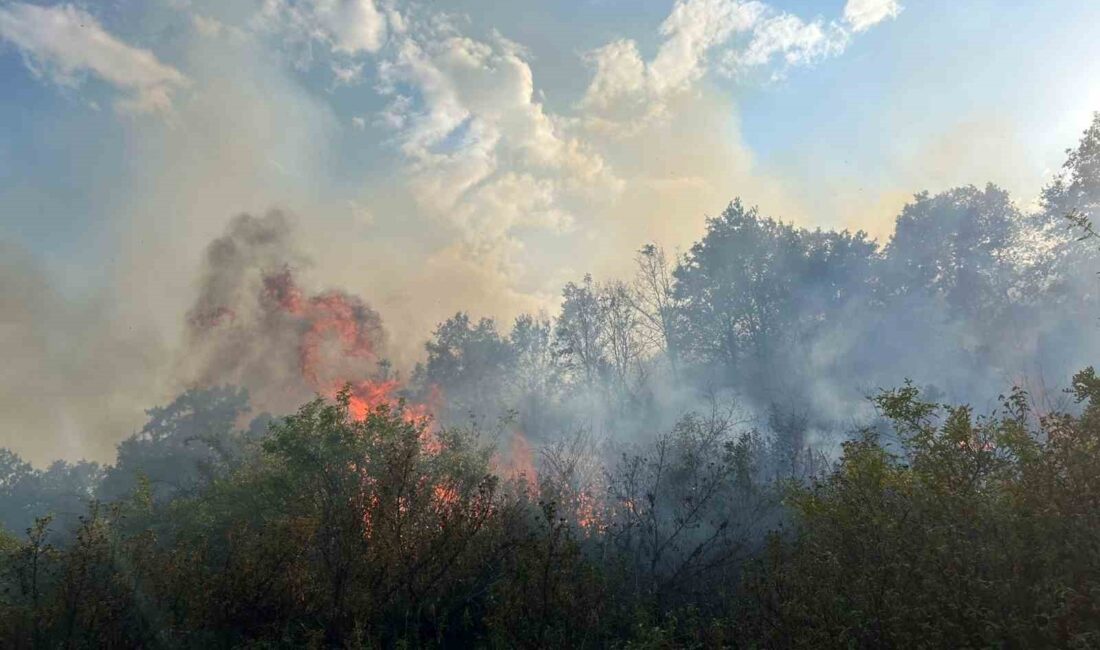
(335,532)
(686,493)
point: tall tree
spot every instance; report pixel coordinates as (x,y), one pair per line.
(536,374)
(580,333)
(661,319)
(957,246)
(182,446)
(625,347)
(1077,188)
(736,286)
(471,363)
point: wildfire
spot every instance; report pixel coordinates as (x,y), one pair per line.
(445,498)
(338,333)
(581,500)
(367,396)
(333,322)
(520,462)
(254,324)
(590,515)
(339,336)
(325,343)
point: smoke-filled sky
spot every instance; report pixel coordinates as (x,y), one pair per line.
(465,154)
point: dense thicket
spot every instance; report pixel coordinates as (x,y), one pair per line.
(332,531)
(710,471)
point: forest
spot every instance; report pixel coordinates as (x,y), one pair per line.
(778,438)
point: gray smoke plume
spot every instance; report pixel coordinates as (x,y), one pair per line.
(252,325)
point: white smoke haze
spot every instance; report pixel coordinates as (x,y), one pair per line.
(73,370)
(489,197)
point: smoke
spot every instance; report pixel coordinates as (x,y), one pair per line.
(254,326)
(554,192)
(72,369)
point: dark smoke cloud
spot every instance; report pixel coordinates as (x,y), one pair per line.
(252,325)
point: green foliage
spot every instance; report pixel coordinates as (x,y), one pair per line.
(470,362)
(182,446)
(947,529)
(753,285)
(979,532)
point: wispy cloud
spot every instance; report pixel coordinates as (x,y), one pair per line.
(796,41)
(864,14)
(347,27)
(744,33)
(63,42)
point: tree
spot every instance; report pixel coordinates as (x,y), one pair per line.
(685,510)
(471,363)
(1070,207)
(739,287)
(958,246)
(625,348)
(1076,190)
(972,531)
(392,511)
(61,492)
(580,334)
(661,319)
(182,446)
(537,375)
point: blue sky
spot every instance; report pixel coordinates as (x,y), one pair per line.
(477,154)
(1027,70)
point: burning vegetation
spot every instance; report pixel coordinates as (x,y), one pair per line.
(687,459)
(253,325)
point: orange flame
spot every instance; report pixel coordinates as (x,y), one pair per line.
(338,327)
(521,462)
(330,318)
(337,338)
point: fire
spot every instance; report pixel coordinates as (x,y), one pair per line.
(445,498)
(590,516)
(578,496)
(338,333)
(255,325)
(329,342)
(367,396)
(520,464)
(333,321)
(337,345)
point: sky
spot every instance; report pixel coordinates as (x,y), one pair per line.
(466,154)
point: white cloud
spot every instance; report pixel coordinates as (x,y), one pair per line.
(347,27)
(626,91)
(213,28)
(693,28)
(863,14)
(798,42)
(512,200)
(63,42)
(463,107)
(491,162)
(346,74)
(619,72)
(353,25)
(210,27)
(623,83)
(483,155)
